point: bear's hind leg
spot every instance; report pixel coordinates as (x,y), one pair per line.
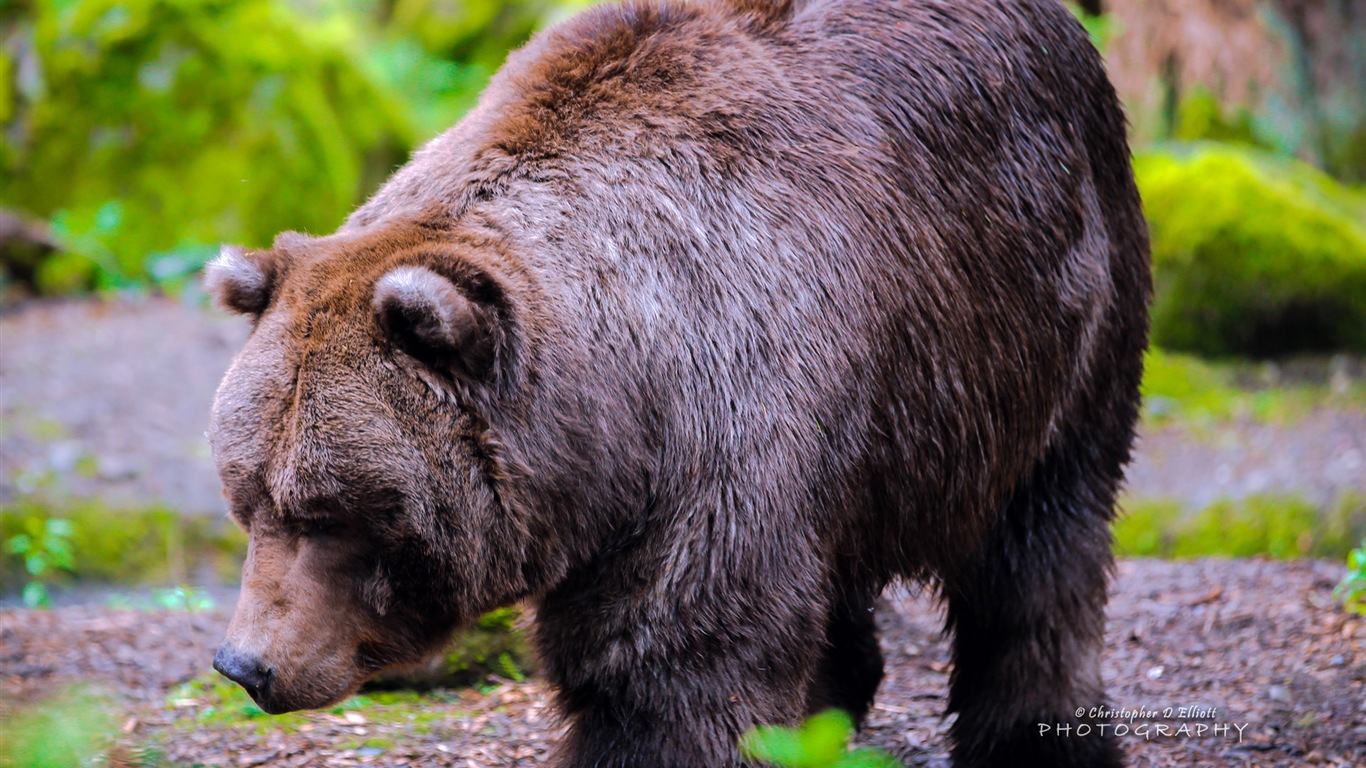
(851,666)
(1028,617)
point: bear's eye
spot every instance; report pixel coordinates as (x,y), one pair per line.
(315,527)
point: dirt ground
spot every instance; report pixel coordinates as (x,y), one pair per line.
(1244,662)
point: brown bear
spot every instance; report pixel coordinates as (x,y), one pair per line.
(709,321)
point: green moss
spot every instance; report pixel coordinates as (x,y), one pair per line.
(1253,255)
(1179,388)
(1186,388)
(493,646)
(129,546)
(1146,528)
(500,619)
(1200,117)
(69,729)
(1275,525)
(213,701)
(1280,527)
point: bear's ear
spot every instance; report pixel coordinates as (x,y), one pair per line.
(430,318)
(241,282)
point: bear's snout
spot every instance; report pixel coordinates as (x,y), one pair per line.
(247,670)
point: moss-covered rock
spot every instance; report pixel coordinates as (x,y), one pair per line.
(1267,524)
(496,645)
(1253,255)
(152,545)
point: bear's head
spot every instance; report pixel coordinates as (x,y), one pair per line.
(351,449)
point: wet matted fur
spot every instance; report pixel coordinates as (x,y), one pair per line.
(710,320)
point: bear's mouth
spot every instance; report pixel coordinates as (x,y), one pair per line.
(274,701)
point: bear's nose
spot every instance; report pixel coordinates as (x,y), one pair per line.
(244,669)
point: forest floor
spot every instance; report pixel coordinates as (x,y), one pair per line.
(1229,662)
(110,401)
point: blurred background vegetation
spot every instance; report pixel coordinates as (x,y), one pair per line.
(140,134)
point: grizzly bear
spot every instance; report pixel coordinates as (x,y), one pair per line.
(708,322)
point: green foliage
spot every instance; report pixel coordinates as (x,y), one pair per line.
(113,545)
(433,91)
(1253,255)
(1200,117)
(149,129)
(1198,393)
(44,546)
(1101,28)
(495,645)
(146,132)
(183,598)
(1352,589)
(475,32)
(1266,524)
(214,700)
(66,730)
(820,742)
(439,54)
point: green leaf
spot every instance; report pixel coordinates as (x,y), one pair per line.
(36,596)
(825,736)
(36,565)
(59,527)
(20,544)
(59,550)
(868,758)
(109,217)
(774,744)
(819,743)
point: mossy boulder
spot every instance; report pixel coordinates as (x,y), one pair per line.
(153,545)
(1277,525)
(496,645)
(1253,255)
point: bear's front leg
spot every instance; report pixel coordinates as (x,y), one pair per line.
(669,671)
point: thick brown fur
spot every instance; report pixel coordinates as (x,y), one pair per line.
(709,321)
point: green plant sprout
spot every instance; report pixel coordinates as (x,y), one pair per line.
(820,742)
(1352,588)
(45,547)
(183,598)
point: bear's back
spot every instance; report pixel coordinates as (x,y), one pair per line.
(860,235)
